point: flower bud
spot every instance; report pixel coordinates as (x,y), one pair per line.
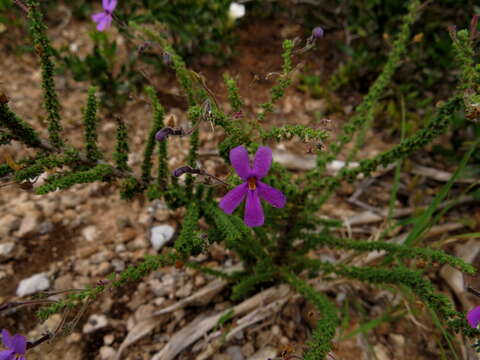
(163,134)
(317,32)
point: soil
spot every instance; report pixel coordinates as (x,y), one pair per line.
(80,235)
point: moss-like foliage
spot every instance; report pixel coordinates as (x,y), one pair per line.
(90,121)
(157,124)
(17,128)
(101,172)
(321,342)
(44,50)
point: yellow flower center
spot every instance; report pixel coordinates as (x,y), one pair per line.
(252,183)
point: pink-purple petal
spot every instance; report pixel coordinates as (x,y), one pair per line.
(7,338)
(473,317)
(104,23)
(233,198)
(240,161)
(253,210)
(105,4)
(270,194)
(7,355)
(262,162)
(111,6)
(19,343)
(98,17)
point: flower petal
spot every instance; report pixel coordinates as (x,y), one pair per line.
(98,17)
(105,4)
(233,198)
(7,355)
(240,161)
(110,7)
(19,343)
(7,339)
(473,317)
(273,196)
(253,210)
(262,162)
(104,23)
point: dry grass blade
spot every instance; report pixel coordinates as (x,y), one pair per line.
(201,325)
(369,217)
(144,327)
(255,316)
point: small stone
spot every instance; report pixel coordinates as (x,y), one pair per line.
(222,357)
(74,338)
(120,248)
(103,269)
(6,250)
(248,349)
(266,352)
(381,352)
(127,235)
(315,105)
(53,321)
(33,284)
(118,265)
(82,267)
(107,352)
(106,305)
(108,339)
(235,352)
(63,282)
(90,233)
(95,322)
(144,219)
(199,280)
(29,225)
(45,227)
(8,223)
(160,235)
(144,312)
(123,222)
(139,243)
(100,257)
(185,290)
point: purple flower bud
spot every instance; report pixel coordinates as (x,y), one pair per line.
(163,134)
(317,32)
(184,170)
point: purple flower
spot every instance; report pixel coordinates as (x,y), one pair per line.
(104,18)
(473,317)
(252,188)
(317,32)
(16,345)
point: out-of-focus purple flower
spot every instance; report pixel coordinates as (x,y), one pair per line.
(16,346)
(252,188)
(104,18)
(473,317)
(317,32)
